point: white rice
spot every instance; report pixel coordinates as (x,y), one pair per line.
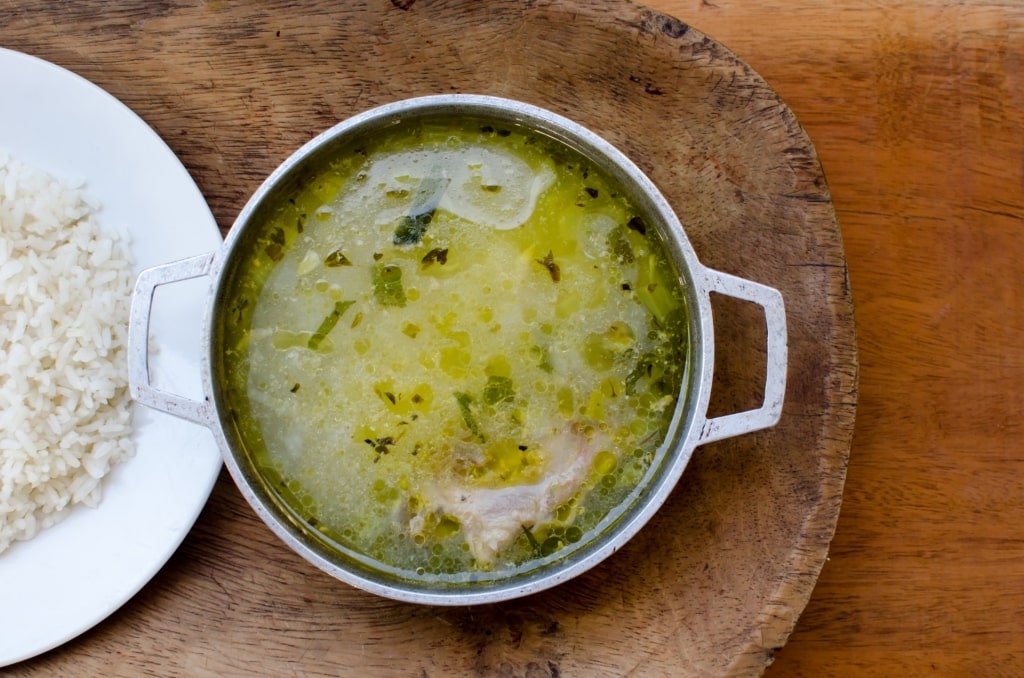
(65,291)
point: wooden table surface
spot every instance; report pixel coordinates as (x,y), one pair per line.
(916,110)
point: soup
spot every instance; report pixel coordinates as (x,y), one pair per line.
(453,349)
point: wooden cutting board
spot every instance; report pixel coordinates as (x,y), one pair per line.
(715,583)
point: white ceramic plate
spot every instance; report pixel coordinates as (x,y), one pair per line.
(71,576)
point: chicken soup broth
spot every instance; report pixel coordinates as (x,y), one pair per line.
(453,349)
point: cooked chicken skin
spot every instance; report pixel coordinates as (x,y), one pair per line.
(492,518)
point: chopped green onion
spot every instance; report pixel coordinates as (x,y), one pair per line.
(619,245)
(328,324)
(652,290)
(387,285)
(465,400)
(534,544)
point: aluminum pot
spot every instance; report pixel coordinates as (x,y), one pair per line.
(690,426)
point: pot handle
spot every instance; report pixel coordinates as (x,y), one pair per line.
(139,382)
(766,416)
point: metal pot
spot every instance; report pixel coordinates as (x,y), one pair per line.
(690,426)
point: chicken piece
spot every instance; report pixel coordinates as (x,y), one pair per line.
(492,518)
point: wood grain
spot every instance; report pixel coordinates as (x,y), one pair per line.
(915,112)
(914,109)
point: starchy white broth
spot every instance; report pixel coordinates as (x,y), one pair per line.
(65,288)
(465,390)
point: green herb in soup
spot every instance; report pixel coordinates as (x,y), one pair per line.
(454,350)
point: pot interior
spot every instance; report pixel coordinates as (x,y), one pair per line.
(324,376)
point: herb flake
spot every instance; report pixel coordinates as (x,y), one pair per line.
(411,228)
(336,258)
(637,224)
(380,445)
(548,262)
(437,255)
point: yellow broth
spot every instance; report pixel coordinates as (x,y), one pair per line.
(453,349)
